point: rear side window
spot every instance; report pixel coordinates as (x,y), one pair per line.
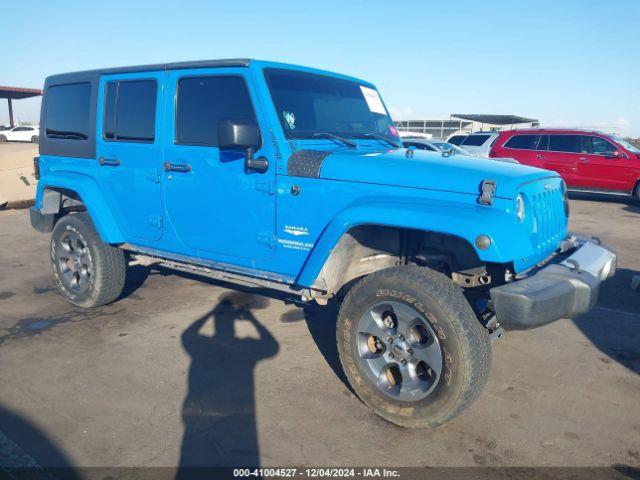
(475,140)
(67,111)
(523,142)
(457,139)
(204,101)
(565,143)
(130,111)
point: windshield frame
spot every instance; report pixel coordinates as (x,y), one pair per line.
(311,134)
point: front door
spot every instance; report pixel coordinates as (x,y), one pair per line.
(129,150)
(214,205)
(602,166)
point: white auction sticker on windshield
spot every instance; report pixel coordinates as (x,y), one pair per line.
(373,100)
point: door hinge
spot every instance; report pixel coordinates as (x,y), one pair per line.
(267,238)
(155,220)
(266,187)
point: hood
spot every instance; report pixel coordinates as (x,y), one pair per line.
(429,170)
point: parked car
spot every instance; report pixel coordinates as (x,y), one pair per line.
(588,160)
(479,143)
(294,179)
(24,133)
(5,127)
(442,146)
(457,138)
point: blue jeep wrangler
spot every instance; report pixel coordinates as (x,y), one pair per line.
(295,179)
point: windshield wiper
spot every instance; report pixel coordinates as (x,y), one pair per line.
(336,138)
(381,139)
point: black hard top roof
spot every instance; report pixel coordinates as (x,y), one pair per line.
(87,74)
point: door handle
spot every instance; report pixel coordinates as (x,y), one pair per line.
(539,155)
(109,162)
(583,160)
(177,167)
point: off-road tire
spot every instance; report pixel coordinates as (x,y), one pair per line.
(35,139)
(464,342)
(108,266)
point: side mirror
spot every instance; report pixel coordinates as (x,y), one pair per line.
(615,154)
(242,135)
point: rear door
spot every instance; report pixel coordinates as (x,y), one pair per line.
(559,152)
(129,150)
(603,166)
(214,205)
(522,147)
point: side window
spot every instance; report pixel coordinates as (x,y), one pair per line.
(523,142)
(565,143)
(475,140)
(587,144)
(543,144)
(603,147)
(204,101)
(67,111)
(130,111)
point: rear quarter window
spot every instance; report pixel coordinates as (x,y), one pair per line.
(475,140)
(67,113)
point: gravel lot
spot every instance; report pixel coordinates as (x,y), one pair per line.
(145,382)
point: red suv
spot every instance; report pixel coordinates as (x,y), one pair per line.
(588,161)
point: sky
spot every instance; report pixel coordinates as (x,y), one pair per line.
(567,63)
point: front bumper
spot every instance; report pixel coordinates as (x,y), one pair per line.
(565,288)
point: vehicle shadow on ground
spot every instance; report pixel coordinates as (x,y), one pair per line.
(26,452)
(219,410)
(630,205)
(614,332)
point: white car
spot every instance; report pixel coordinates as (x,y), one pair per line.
(479,143)
(442,146)
(23,133)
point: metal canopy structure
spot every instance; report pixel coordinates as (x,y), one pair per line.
(17,93)
(494,119)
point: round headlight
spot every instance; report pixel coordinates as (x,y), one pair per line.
(520,207)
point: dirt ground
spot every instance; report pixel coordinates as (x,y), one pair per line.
(184,371)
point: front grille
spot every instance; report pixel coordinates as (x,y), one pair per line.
(550,225)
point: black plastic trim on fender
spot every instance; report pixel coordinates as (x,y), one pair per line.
(41,222)
(553,293)
(306,163)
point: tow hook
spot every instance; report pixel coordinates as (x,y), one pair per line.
(496,332)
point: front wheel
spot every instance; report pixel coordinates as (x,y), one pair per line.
(411,346)
(3,138)
(88,272)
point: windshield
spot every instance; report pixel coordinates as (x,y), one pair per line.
(308,104)
(626,145)
(447,147)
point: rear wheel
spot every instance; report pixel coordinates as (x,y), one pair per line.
(636,192)
(35,139)
(411,346)
(88,272)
